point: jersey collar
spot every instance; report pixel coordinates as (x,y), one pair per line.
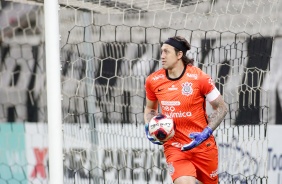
(173,79)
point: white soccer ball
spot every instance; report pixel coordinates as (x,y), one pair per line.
(161,127)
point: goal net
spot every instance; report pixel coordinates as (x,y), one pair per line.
(108,48)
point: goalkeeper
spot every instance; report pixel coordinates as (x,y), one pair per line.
(181,90)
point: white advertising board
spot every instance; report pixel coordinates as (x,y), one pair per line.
(255,156)
(275,154)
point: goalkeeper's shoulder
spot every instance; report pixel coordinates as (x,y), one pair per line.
(159,74)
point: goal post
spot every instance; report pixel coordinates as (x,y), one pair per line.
(107,56)
(54,105)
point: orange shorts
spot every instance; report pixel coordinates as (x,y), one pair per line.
(202,165)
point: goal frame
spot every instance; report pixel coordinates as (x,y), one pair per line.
(52,49)
(52,35)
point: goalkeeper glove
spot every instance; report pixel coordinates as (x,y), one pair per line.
(198,138)
(152,139)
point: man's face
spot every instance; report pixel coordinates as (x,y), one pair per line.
(169,57)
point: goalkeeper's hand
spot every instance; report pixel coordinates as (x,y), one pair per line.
(153,140)
(198,138)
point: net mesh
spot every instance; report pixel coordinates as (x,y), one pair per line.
(107,50)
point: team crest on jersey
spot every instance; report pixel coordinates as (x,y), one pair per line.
(187,88)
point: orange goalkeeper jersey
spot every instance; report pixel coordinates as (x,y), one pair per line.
(183,99)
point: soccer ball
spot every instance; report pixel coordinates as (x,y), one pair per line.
(161,127)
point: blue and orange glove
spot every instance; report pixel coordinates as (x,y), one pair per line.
(152,139)
(198,138)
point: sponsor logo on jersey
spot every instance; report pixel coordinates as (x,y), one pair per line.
(211,82)
(172,88)
(161,76)
(177,144)
(169,109)
(187,88)
(179,114)
(172,103)
(213,174)
(192,75)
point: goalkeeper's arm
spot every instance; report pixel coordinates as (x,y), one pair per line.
(214,120)
(149,112)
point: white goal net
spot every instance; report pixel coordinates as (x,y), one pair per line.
(108,48)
